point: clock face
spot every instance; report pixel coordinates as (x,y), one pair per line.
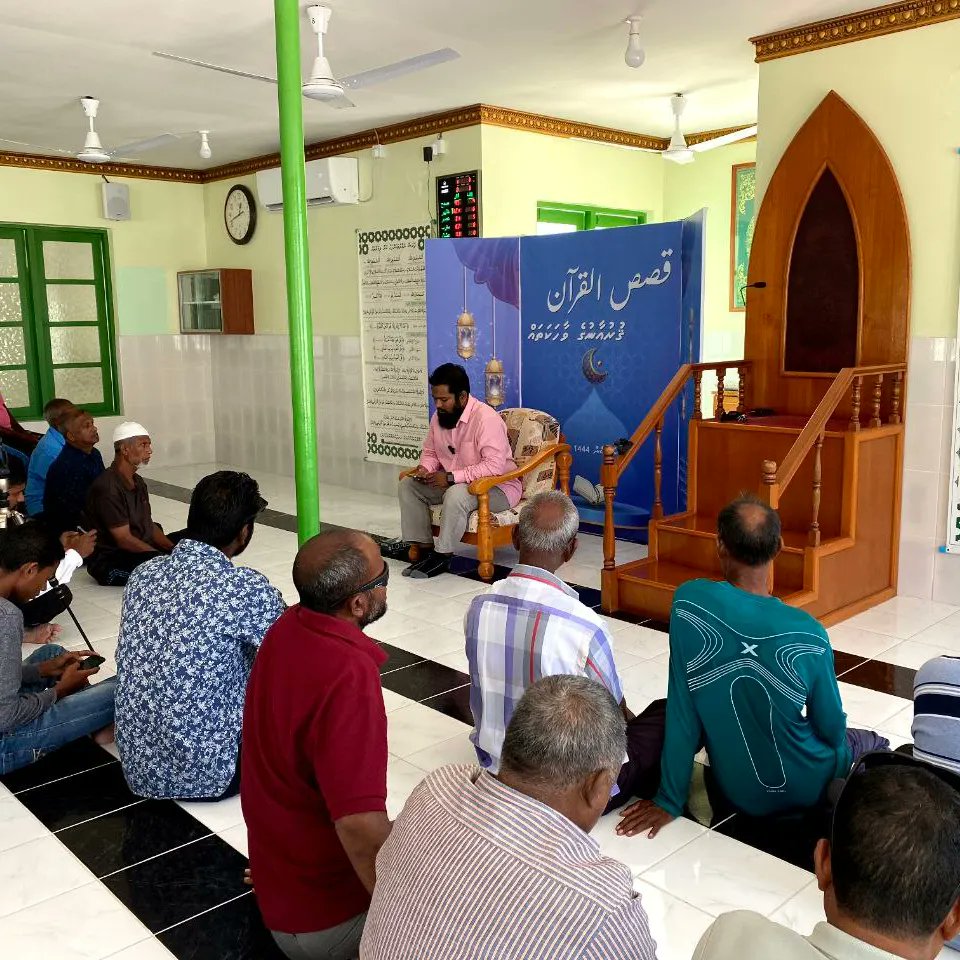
(240,214)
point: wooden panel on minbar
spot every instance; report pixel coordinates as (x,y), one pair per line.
(833,137)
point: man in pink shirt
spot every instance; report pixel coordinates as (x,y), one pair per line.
(467,441)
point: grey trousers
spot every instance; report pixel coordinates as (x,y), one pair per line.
(416,499)
(341,942)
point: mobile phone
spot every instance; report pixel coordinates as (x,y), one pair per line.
(89,663)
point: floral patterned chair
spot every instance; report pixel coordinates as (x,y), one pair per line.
(543,463)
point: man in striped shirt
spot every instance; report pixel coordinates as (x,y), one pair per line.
(936,713)
(502,866)
(532,625)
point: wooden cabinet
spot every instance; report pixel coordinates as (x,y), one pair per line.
(216,301)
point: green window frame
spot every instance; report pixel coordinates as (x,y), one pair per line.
(54,319)
(588,218)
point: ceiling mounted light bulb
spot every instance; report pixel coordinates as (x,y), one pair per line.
(205,152)
(634,55)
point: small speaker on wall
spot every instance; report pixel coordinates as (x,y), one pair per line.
(116,200)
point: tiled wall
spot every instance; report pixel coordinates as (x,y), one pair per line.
(252,415)
(924,570)
(166,385)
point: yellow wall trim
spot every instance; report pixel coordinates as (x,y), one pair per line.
(875,22)
(407,130)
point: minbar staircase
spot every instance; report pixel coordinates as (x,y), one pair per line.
(834,476)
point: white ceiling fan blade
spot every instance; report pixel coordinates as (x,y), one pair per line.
(213,66)
(734,137)
(141,146)
(339,103)
(37,146)
(398,69)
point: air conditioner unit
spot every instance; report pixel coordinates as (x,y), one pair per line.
(331,181)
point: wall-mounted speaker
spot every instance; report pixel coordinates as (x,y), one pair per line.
(116,201)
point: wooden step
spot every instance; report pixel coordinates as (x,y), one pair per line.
(647,586)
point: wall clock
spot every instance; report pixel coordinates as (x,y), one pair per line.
(240,214)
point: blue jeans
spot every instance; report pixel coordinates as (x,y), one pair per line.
(75,716)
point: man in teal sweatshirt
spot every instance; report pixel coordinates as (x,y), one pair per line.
(752,680)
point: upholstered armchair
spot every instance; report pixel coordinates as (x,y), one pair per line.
(543,463)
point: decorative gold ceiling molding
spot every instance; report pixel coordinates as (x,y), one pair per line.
(554,127)
(394,133)
(875,22)
(36,161)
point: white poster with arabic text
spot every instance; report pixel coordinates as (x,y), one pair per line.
(393,323)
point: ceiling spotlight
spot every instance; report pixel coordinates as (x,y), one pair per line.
(634,55)
(205,150)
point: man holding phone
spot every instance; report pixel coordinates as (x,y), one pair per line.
(46,701)
(467,441)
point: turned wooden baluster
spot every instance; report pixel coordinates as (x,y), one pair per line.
(895,397)
(855,405)
(817,480)
(875,420)
(697,395)
(608,478)
(742,400)
(658,473)
(721,375)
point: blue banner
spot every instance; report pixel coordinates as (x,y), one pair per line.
(603,332)
(473,301)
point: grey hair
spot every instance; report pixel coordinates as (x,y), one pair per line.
(538,537)
(563,730)
(323,587)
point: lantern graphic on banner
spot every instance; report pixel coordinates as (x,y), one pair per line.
(493,372)
(466,327)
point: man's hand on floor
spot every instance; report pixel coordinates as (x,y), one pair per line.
(643,815)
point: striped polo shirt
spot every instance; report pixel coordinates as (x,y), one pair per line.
(475,868)
(936,713)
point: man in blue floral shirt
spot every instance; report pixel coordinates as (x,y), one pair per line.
(190,628)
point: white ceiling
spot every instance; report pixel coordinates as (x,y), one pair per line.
(563,58)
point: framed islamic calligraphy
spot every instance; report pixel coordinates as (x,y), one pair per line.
(743,218)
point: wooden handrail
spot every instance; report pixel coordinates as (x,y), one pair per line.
(817,424)
(658,410)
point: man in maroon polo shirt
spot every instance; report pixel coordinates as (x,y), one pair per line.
(314,782)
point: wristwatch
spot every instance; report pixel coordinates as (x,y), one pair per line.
(450,479)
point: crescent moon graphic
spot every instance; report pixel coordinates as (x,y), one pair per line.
(592,367)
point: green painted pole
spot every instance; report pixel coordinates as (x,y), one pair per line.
(297,255)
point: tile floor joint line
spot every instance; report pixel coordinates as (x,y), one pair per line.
(99,816)
(180,923)
(68,776)
(163,853)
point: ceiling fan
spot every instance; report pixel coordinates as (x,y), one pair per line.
(679,152)
(93,150)
(321,84)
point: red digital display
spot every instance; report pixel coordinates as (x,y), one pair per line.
(458,205)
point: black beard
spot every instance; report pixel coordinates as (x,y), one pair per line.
(449,420)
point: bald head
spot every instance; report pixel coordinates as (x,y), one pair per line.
(546,535)
(749,531)
(331,568)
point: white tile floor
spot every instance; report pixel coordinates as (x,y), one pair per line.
(52,906)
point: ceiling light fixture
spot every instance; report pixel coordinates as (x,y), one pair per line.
(205,152)
(634,55)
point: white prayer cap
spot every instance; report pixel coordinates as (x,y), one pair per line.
(128,429)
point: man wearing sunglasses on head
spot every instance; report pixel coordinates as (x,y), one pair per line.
(890,874)
(314,785)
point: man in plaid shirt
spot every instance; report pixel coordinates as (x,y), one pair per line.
(532,625)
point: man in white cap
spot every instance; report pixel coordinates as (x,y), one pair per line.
(118,508)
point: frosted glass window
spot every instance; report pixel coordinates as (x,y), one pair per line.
(79,384)
(16,390)
(63,260)
(10,303)
(71,303)
(12,352)
(546,229)
(75,344)
(8,258)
